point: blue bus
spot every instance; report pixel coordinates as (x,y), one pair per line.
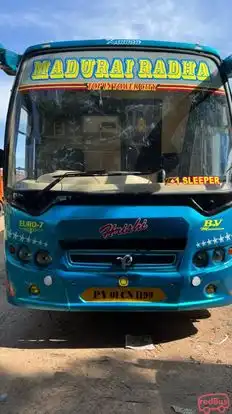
(117,176)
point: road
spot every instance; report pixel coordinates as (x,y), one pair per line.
(53,363)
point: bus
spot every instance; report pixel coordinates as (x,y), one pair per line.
(117,165)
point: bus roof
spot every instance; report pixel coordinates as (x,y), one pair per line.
(123,42)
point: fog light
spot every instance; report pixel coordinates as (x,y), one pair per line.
(211,289)
(34,290)
(219,255)
(201,259)
(43,258)
(24,254)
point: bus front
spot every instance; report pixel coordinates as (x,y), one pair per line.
(117,179)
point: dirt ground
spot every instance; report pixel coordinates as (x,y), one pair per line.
(74,363)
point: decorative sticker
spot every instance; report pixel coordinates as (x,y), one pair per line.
(109,230)
(107,86)
(124,86)
(195,180)
(26,239)
(124,42)
(214,241)
(119,68)
(31,226)
(212,225)
(115,67)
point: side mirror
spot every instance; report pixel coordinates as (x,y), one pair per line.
(226,66)
(9,61)
(1,158)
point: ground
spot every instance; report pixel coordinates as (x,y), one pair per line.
(71,363)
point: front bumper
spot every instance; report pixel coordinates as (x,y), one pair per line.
(122,307)
(67,288)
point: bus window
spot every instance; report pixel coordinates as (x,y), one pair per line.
(21,146)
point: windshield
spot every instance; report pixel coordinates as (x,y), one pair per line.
(137,115)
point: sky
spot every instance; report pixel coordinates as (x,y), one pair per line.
(23,24)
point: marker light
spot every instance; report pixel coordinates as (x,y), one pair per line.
(48,280)
(196,281)
(12,249)
(43,258)
(10,288)
(230,250)
(201,259)
(218,255)
(24,254)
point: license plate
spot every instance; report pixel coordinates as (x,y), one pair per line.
(123,295)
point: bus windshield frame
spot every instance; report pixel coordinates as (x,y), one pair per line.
(197,94)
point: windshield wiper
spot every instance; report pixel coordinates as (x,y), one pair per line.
(91,173)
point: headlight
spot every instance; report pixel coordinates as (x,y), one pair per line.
(218,255)
(43,258)
(201,259)
(24,254)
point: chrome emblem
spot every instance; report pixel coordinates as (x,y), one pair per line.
(126,261)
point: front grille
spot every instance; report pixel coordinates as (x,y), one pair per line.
(159,244)
(111,258)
